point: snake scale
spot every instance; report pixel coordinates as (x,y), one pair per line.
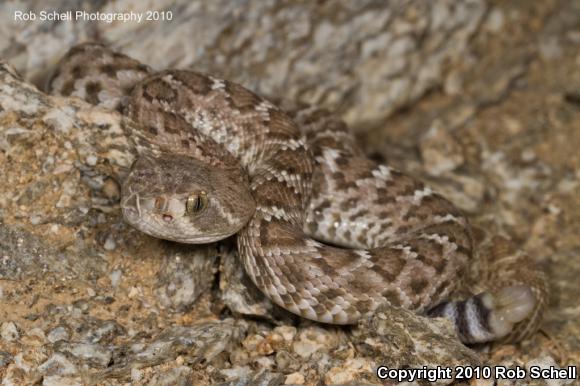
(321,230)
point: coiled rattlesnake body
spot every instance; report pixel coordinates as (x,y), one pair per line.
(217,160)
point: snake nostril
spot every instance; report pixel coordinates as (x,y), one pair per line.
(159,203)
(167,218)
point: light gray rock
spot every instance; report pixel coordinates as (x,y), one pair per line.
(187,272)
(179,376)
(57,380)
(381,55)
(57,365)
(9,332)
(92,354)
(398,338)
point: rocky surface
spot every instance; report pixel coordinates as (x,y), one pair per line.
(374,59)
(481,99)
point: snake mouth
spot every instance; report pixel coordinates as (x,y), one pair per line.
(131,212)
(131,206)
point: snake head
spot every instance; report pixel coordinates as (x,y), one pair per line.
(182,199)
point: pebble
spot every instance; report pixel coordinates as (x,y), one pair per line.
(92,353)
(111,189)
(264,362)
(5,358)
(547,362)
(350,371)
(92,160)
(110,243)
(440,151)
(133,292)
(550,48)
(306,348)
(35,219)
(236,372)
(57,364)
(58,333)
(36,337)
(287,332)
(62,168)
(313,339)
(55,380)
(286,362)
(294,379)
(100,331)
(136,374)
(9,332)
(115,277)
(178,376)
(495,20)
(251,342)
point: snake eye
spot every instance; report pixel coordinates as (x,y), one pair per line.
(196,203)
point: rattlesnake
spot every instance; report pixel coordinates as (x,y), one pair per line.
(217,160)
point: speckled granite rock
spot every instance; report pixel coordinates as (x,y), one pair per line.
(60,226)
(328,53)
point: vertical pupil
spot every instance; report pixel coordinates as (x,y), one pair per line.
(194,203)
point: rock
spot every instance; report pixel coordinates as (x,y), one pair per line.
(546,362)
(398,338)
(384,57)
(186,273)
(495,20)
(179,376)
(57,365)
(115,277)
(236,372)
(9,332)
(93,330)
(238,291)
(294,379)
(350,371)
(59,333)
(35,337)
(258,379)
(287,361)
(550,49)
(110,244)
(36,257)
(194,344)
(313,339)
(440,151)
(5,358)
(92,354)
(56,380)
(136,375)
